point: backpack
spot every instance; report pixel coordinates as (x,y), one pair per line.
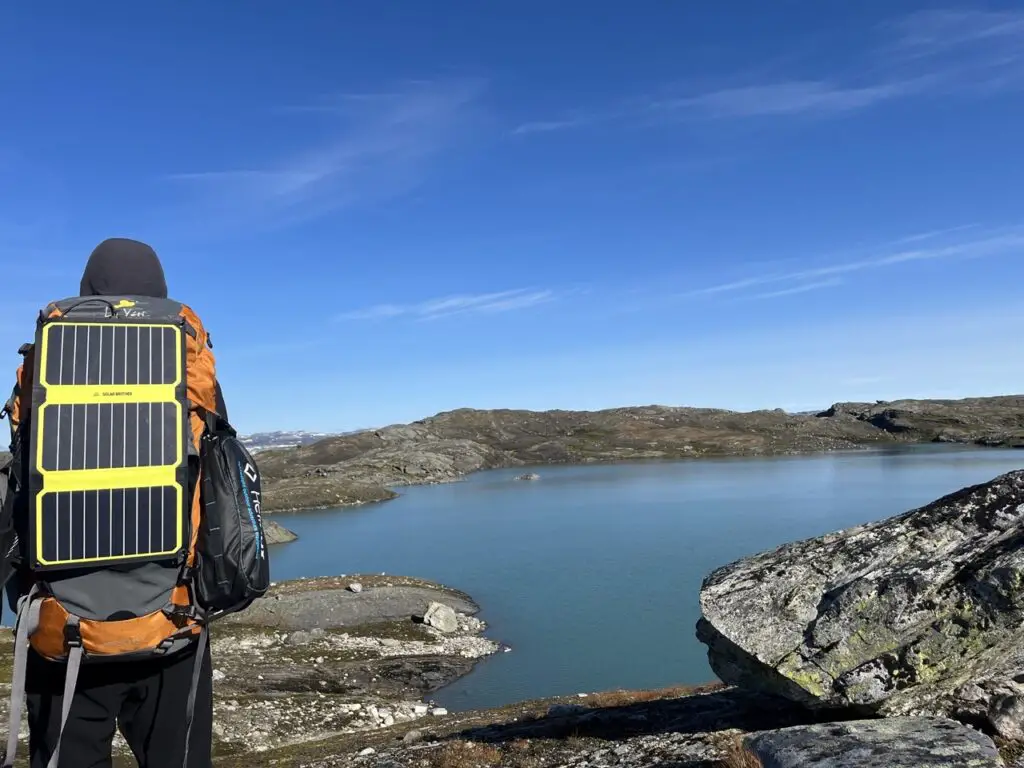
(103,520)
(234,568)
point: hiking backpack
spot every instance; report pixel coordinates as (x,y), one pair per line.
(105,524)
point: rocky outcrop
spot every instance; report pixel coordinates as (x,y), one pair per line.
(330,604)
(901,742)
(917,614)
(364,467)
(980,420)
(313,659)
(276,533)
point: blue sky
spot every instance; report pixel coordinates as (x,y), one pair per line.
(384,210)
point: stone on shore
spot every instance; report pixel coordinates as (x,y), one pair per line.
(917,614)
(441,617)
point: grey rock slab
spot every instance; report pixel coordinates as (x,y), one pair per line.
(916,614)
(441,617)
(340,608)
(900,742)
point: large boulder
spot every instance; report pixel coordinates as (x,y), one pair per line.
(917,614)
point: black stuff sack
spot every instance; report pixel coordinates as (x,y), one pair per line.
(233,567)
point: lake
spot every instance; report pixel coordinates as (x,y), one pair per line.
(591,573)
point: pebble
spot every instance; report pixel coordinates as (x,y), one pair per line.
(439,712)
(355,587)
(367,752)
(413,737)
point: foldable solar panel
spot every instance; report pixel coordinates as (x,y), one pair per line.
(109,472)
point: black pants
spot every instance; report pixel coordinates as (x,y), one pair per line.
(147,699)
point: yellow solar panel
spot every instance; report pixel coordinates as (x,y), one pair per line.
(109,442)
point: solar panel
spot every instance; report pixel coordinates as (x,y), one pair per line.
(109,445)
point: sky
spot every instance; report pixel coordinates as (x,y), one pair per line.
(386,210)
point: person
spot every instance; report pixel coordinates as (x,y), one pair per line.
(146,698)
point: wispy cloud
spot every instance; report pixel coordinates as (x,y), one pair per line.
(928,53)
(790,98)
(932,234)
(379,146)
(461,304)
(828,275)
(553,125)
(931,32)
(805,288)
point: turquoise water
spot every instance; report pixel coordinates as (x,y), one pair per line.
(591,573)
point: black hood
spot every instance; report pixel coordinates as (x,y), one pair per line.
(123,267)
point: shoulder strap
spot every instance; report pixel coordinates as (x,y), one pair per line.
(190,707)
(27,624)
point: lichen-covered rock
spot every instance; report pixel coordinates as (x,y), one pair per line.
(917,614)
(901,742)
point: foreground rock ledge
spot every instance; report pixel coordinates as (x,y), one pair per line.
(917,614)
(902,742)
(314,659)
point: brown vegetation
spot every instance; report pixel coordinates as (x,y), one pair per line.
(466,754)
(611,699)
(738,756)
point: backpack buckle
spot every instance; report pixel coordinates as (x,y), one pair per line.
(73,635)
(187,574)
(173,611)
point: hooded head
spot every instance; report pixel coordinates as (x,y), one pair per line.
(123,267)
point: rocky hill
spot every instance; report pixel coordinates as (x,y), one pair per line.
(364,466)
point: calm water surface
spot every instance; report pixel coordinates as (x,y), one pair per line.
(591,573)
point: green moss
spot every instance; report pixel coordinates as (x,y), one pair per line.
(923,668)
(807,677)
(858,648)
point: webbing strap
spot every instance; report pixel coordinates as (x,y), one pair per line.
(70,683)
(27,624)
(197,669)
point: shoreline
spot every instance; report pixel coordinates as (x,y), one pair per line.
(364,467)
(315,661)
(396,490)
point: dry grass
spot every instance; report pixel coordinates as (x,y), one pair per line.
(466,754)
(738,756)
(1010,751)
(626,698)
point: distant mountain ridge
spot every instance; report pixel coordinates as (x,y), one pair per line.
(262,441)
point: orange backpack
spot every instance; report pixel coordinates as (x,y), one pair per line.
(104,506)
